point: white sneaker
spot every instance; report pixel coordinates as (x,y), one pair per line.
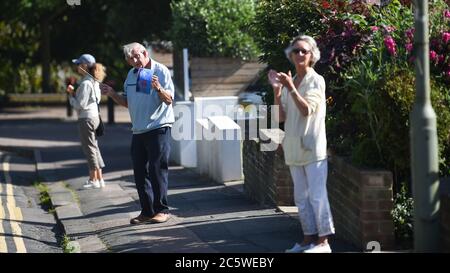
(102,183)
(298,248)
(320,248)
(91,184)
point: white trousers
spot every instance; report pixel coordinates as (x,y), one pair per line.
(311,198)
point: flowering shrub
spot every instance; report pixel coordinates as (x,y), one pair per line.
(440,40)
(362,48)
(390,47)
(342,41)
(367,60)
(440,56)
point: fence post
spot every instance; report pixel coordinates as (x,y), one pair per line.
(110,104)
(69,109)
(186,74)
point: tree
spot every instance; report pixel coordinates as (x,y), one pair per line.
(214,28)
(49,32)
(30,20)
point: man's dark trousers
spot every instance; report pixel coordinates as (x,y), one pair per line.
(150,155)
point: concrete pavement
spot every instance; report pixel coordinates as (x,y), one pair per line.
(206,217)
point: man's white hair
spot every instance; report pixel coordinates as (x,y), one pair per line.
(129,47)
(315,52)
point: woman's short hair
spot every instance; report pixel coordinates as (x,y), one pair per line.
(129,47)
(315,52)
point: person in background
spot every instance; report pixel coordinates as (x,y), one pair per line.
(85,101)
(302,106)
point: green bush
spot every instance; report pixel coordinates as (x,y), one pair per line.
(214,28)
(367,62)
(277,22)
(403,216)
(379,110)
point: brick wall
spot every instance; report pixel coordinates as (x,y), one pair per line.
(267,178)
(361,202)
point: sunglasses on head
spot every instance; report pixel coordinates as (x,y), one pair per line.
(297,50)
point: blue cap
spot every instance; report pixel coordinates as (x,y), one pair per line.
(85,59)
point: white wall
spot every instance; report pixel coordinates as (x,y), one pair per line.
(183,146)
(220,159)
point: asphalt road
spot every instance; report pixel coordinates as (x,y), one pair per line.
(25,226)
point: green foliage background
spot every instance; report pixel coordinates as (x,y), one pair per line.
(214,28)
(98,27)
(370,91)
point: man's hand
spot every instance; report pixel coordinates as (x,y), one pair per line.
(164,95)
(106,89)
(155,83)
(109,91)
(70,89)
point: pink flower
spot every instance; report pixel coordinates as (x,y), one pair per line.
(445,37)
(441,58)
(390,45)
(447,73)
(446,13)
(389,29)
(374,28)
(347,33)
(348,23)
(409,47)
(433,55)
(410,33)
(434,43)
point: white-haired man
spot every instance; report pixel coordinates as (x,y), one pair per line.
(148,95)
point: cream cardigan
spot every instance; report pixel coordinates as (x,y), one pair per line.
(305,136)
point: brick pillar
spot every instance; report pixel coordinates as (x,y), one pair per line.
(267,178)
(361,203)
(376,206)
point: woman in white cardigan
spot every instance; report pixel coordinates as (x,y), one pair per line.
(302,106)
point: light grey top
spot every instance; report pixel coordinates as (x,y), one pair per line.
(147,110)
(87,97)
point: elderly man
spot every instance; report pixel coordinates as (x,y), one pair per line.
(148,95)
